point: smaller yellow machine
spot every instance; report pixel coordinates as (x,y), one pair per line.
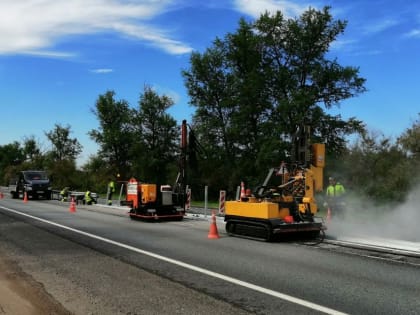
(285,202)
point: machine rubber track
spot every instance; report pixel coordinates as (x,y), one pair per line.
(250,229)
(268,230)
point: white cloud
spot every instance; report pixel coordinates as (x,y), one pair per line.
(415,33)
(353,47)
(343,44)
(164,90)
(50,54)
(34,26)
(102,70)
(153,36)
(255,8)
(380,26)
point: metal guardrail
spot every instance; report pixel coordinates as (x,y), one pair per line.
(389,246)
(79,196)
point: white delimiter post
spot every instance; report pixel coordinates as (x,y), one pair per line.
(121,192)
(206,189)
(238,193)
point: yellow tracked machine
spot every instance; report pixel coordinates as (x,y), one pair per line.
(285,202)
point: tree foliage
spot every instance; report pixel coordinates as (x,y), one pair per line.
(157,135)
(63,147)
(32,150)
(410,140)
(11,155)
(114,134)
(374,166)
(410,143)
(253,89)
(134,142)
(95,176)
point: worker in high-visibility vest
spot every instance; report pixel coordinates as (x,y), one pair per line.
(335,196)
(64,193)
(88,198)
(110,191)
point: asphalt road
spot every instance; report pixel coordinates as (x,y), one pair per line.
(119,266)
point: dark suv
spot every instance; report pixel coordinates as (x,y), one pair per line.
(34,183)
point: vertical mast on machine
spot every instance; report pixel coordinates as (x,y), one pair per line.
(301,143)
(182,176)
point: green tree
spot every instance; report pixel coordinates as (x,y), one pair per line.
(375,167)
(31,148)
(115,133)
(11,153)
(410,143)
(33,154)
(210,85)
(93,176)
(256,86)
(157,132)
(61,159)
(303,81)
(63,147)
(64,173)
(410,140)
(11,156)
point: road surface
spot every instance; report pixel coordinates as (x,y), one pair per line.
(94,263)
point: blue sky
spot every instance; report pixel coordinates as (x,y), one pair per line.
(58,56)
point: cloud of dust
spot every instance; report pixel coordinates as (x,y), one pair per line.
(362,219)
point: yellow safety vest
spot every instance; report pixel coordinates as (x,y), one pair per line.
(335,190)
(88,197)
(111,186)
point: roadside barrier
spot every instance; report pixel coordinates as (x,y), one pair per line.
(222,199)
(188,201)
(243,193)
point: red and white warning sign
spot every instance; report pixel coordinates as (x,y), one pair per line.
(222,199)
(188,201)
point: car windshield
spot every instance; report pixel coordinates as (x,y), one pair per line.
(36,176)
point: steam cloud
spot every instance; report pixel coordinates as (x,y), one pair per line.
(362,219)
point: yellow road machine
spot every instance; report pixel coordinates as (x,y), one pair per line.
(285,202)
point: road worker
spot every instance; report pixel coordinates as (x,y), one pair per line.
(88,198)
(335,196)
(110,191)
(64,193)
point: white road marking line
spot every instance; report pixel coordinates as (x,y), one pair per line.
(213,274)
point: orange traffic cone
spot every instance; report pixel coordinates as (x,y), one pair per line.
(1,195)
(72,205)
(25,197)
(243,193)
(328,215)
(213,233)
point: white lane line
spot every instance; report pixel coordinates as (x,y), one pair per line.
(213,274)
